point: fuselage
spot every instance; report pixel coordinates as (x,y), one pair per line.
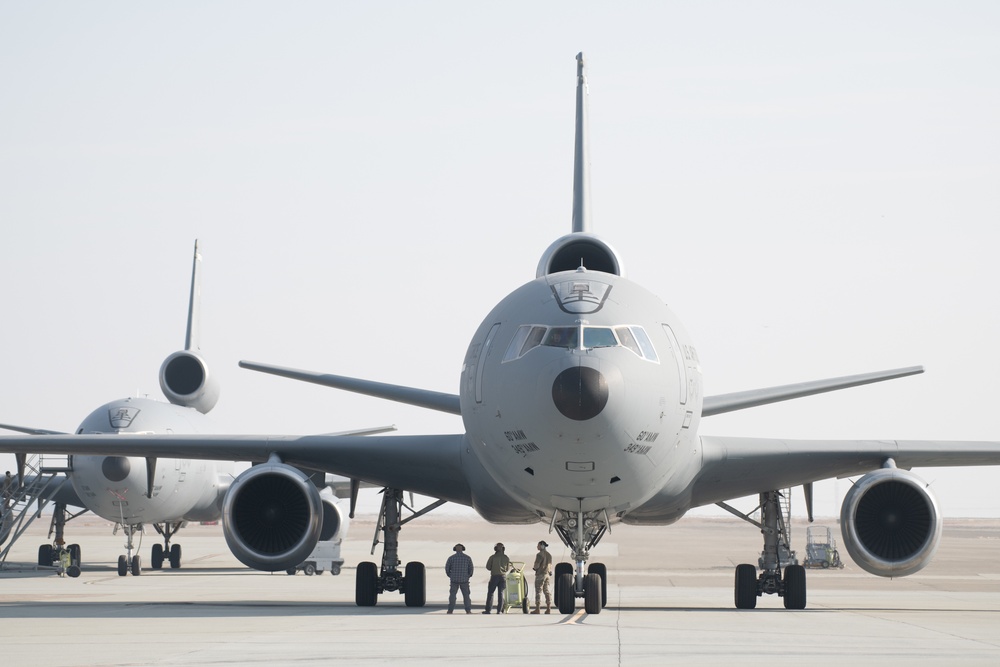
(115,487)
(582,392)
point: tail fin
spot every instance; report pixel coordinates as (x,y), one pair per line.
(581,155)
(194,304)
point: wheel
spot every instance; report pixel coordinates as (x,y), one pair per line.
(825,565)
(156,557)
(74,554)
(558,571)
(565,593)
(45,555)
(592,593)
(335,570)
(795,587)
(73,571)
(309,569)
(175,557)
(136,565)
(415,585)
(122,566)
(290,571)
(366,585)
(601,569)
(524,595)
(746,586)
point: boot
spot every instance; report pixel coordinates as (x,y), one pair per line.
(548,607)
(537,608)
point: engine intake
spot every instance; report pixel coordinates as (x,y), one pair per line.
(185,380)
(891,523)
(581,248)
(272,517)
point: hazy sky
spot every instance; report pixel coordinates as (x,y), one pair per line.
(814,188)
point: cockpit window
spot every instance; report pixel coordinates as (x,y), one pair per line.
(530,336)
(561,337)
(628,340)
(599,337)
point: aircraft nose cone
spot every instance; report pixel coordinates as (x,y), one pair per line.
(116,468)
(580,392)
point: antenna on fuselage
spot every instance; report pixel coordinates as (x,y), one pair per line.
(581,155)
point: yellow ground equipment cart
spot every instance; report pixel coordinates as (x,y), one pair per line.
(516,593)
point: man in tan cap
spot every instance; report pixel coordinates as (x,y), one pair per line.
(543,570)
(459,568)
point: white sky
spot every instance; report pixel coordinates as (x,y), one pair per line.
(812,187)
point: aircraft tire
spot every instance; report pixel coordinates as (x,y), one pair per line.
(795,587)
(136,565)
(415,585)
(75,554)
(746,586)
(175,557)
(560,569)
(45,555)
(122,566)
(156,557)
(601,569)
(566,593)
(366,585)
(592,593)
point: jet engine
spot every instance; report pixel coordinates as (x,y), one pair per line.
(272,517)
(580,249)
(890,522)
(335,522)
(185,380)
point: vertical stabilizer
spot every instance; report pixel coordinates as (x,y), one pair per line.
(194,304)
(581,155)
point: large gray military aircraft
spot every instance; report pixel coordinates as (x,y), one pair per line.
(581,396)
(142,490)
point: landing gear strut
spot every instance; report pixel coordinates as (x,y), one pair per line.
(748,586)
(165,550)
(128,562)
(580,531)
(371,581)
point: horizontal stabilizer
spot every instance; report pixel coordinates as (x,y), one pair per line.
(741,400)
(422,398)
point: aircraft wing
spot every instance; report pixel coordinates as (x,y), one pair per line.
(30,430)
(716,405)
(735,467)
(424,464)
(423,398)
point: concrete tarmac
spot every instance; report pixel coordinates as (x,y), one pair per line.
(670,600)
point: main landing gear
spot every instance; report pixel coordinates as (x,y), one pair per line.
(790,585)
(56,554)
(165,551)
(580,531)
(412,582)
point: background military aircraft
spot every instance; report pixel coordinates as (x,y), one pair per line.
(135,492)
(581,396)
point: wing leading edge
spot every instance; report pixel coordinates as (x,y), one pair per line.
(741,400)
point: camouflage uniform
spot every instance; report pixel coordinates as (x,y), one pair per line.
(543,568)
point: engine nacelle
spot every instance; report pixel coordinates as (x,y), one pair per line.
(272,517)
(890,523)
(573,250)
(335,522)
(185,380)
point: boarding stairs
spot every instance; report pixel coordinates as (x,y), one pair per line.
(22,504)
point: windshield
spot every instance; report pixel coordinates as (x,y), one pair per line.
(530,336)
